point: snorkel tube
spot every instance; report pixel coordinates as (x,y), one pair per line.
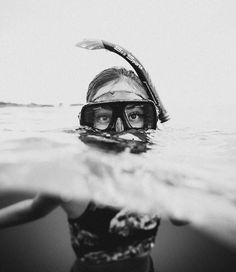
(137,66)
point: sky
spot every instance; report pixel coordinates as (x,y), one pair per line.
(187,46)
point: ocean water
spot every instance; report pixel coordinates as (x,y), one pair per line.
(185,169)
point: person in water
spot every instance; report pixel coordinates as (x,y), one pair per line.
(104,238)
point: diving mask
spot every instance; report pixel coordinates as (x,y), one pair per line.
(135,114)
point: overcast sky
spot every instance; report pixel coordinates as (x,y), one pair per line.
(188,47)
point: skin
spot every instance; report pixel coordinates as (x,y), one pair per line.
(41,205)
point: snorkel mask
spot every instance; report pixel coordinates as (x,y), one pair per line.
(105,116)
(147,111)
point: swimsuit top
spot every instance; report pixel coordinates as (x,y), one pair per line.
(103,234)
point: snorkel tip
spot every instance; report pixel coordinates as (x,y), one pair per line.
(90,44)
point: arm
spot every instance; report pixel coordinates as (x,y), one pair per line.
(27,210)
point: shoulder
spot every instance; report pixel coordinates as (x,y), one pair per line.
(49,198)
(74,208)
(178,222)
(45,202)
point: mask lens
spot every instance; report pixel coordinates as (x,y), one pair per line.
(135,115)
(102,117)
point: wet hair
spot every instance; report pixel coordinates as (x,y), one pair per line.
(112,74)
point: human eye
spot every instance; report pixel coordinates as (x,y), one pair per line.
(135,116)
(103,118)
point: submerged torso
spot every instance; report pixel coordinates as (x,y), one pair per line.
(103,234)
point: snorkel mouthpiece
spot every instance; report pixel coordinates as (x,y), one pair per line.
(137,66)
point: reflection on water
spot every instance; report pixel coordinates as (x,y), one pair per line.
(136,141)
(185,172)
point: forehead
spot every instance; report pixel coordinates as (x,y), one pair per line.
(121,90)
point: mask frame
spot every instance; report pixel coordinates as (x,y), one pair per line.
(118,110)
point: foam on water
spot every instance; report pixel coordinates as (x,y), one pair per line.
(180,171)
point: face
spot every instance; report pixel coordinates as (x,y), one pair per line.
(117,91)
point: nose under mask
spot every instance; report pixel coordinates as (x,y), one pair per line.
(119,125)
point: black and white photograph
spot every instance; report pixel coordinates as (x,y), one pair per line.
(117,136)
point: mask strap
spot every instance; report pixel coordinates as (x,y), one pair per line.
(111,93)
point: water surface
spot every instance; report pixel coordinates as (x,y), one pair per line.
(185,169)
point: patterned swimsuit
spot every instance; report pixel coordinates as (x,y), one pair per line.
(103,234)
